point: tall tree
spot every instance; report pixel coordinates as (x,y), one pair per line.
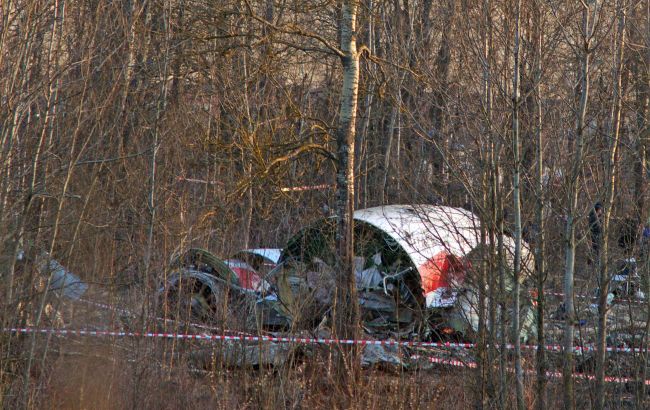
(347,308)
(516,195)
(572,208)
(540,237)
(610,187)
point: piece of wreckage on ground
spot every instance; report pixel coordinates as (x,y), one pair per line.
(203,287)
(416,273)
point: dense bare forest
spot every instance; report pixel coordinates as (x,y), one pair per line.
(131,131)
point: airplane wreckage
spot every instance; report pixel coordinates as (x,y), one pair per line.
(416,278)
(416,269)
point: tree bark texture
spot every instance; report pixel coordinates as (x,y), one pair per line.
(572,210)
(346,314)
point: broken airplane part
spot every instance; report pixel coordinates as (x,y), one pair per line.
(416,269)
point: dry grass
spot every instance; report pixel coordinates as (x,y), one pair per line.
(99,376)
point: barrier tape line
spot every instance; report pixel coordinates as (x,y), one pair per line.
(557,348)
(553,348)
(107,307)
(250,338)
(473,365)
(451,362)
(297,340)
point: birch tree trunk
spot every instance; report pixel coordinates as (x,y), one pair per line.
(540,264)
(483,364)
(491,277)
(519,373)
(643,106)
(503,382)
(613,137)
(346,309)
(569,232)
(641,72)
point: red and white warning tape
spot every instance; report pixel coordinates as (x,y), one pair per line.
(222,337)
(585,349)
(250,337)
(246,337)
(448,362)
(111,333)
(104,306)
(444,361)
(473,365)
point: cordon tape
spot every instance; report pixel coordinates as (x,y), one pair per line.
(557,375)
(295,339)
(555,347)
(436,360)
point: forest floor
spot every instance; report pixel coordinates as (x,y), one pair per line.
(119,372)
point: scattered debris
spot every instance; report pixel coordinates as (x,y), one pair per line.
(414,272)
(198,286)
(381,354)
(244,355)
(60,279)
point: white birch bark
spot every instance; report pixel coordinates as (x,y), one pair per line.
(569,232)
(610,185)
(346,311)
(519,373)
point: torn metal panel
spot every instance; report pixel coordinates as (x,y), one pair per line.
(441,298)
(424,231)
(368,279)
(61,279)
(247,275)
(204,261)
(202,286)
(382,354)
(260,260)
(270,313)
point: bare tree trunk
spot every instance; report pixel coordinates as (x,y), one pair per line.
(177,47)
(248,203)
(387,154)
(346,310)
(363,194)
(129,74)
(492,277)
(442,69)
(569,233)
(642,106)
(540,255)
(613,137)
(503,384)
(643,103)
(483,362)
(153,164)
(519,373)
(59,15)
